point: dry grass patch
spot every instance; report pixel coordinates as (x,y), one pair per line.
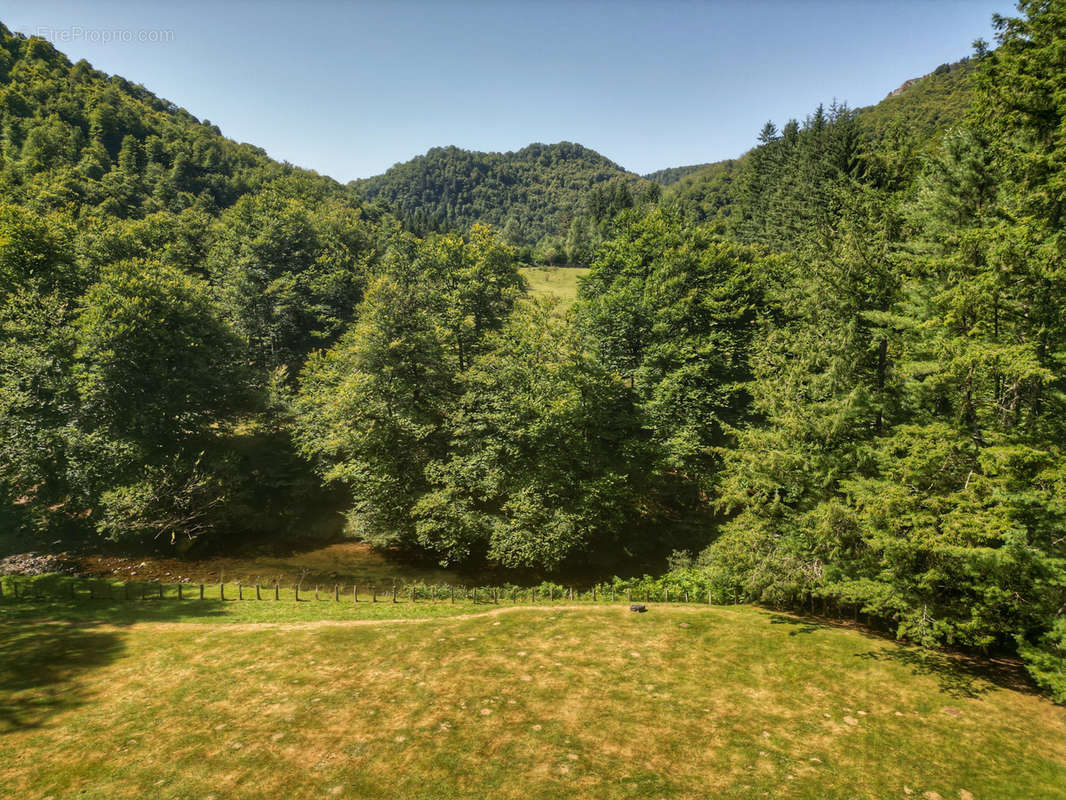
(528,704)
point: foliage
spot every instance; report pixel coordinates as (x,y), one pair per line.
(373,408)
(545,458)
(152,275)
(848,346)
(671,175)
(672,310)
(910,463)
(528,194)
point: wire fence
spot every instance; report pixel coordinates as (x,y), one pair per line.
(74,589)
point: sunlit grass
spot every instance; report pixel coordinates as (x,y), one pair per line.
(683,701)
(560,282)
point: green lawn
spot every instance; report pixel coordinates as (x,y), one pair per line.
(571,701)
(560,282)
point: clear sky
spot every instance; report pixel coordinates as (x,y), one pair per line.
(350,88)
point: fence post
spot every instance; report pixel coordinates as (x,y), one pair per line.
(258,592)
(532,595)
(629,595)
(179,591)
(201,591)
(355,592)
(336,593)
(394,591)
(708,597)
(277,589)
(495,597)
(666,595)
(475,595)
(316,591)
(571,594)
(612,594)
(240,590)
(373,594)
(514,594)
(593,593)
(433,593)
(451,592)
(222,591)
(686,595)
(551,594)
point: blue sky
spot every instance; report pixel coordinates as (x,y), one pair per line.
(350,88)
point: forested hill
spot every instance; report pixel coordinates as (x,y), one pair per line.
(922,107)
(528,194)
(75,136)
(915,114)
(156,279)
(671,175)
(557,196)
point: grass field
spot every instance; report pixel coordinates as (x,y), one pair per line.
(568,701)
(560,282)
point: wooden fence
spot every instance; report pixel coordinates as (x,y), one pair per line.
(81,589)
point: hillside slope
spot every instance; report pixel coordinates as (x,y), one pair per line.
(73,136)
(922,107)
(671,175)
(529,193)
(919,110)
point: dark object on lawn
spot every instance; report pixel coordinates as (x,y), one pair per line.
(640,608)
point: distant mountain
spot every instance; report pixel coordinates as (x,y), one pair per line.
(529,194)
(535,193)
(671,175)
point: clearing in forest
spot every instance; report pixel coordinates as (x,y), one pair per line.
(683,701)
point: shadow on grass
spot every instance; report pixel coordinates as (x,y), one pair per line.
(40,666)
(58,598)
(957,673)
(50,637)
(801,624)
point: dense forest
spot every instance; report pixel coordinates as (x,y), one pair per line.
(911,118)
(554,202)
(534,196)
(832,370)
(671,175)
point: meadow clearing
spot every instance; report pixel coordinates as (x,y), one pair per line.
(561,282)
(204,699)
